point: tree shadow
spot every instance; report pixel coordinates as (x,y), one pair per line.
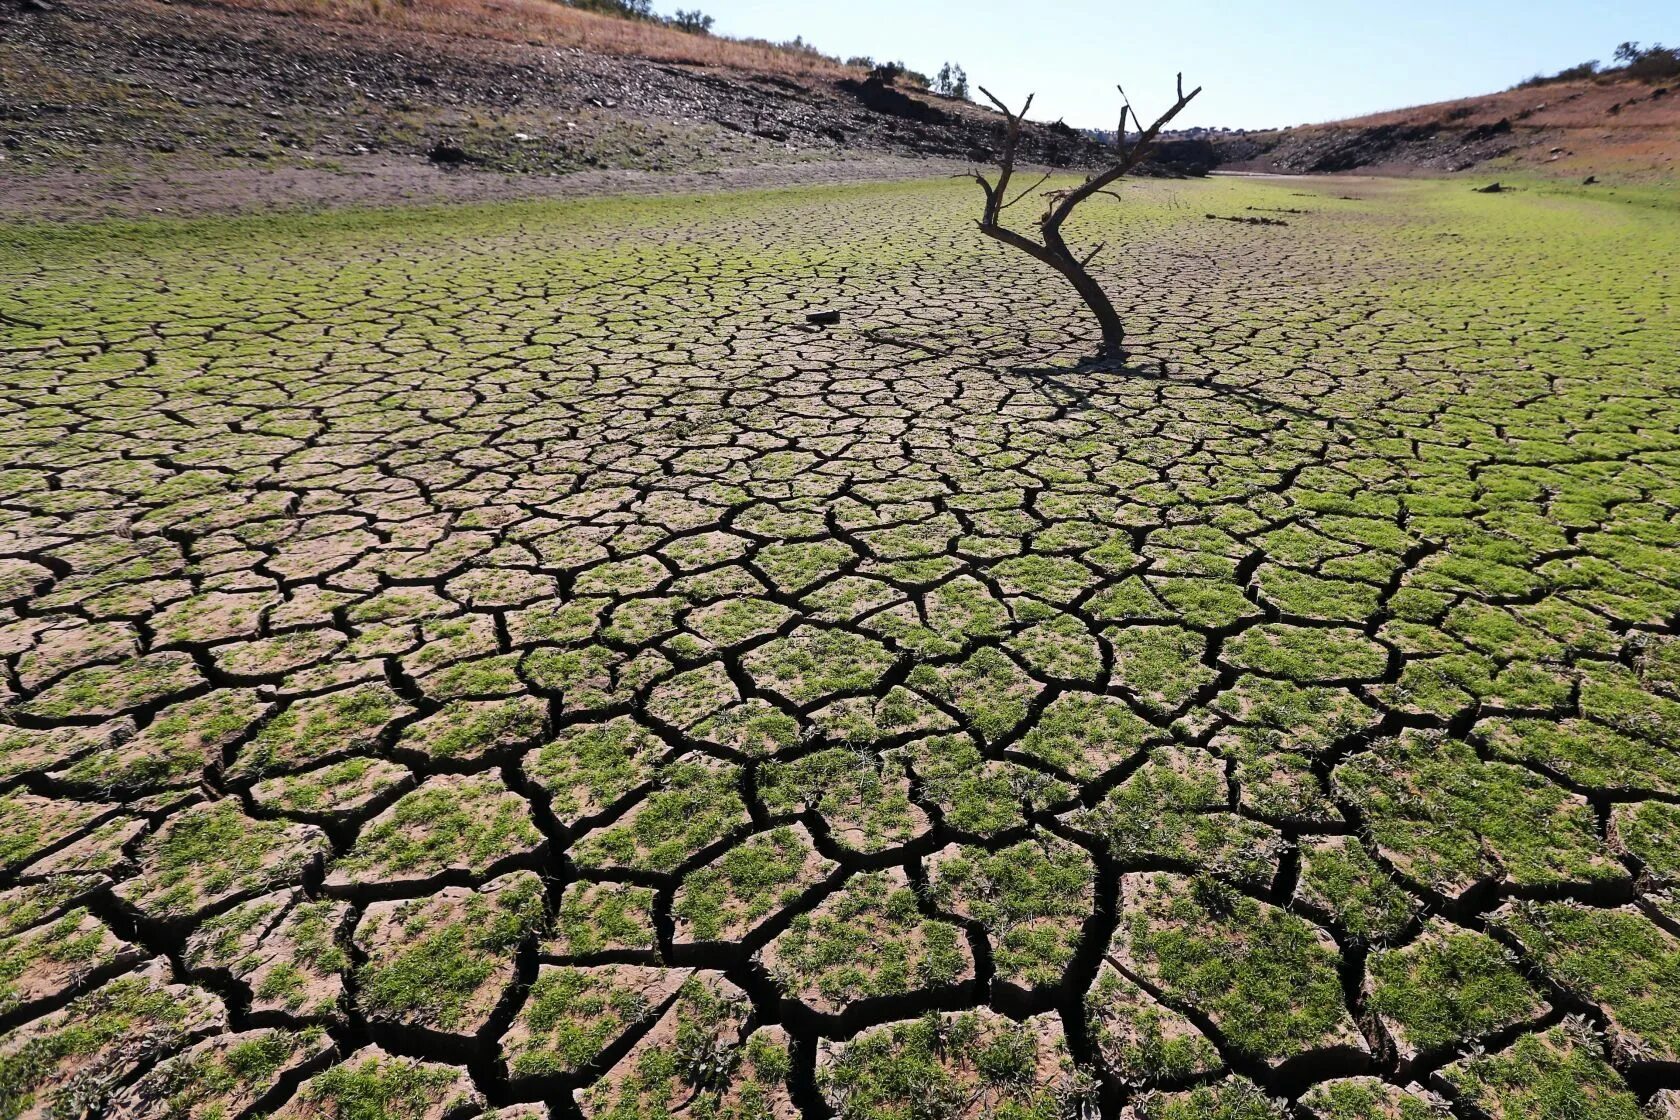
(1079,386)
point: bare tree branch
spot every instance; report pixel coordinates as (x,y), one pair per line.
(1002,108)
(1133,157)
(1041,181)
(1052,250)
(1006,163)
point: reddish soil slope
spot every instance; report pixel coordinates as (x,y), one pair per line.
(1608,128)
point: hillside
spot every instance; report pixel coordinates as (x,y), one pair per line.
(1619,129)
(195,106)
(139,104)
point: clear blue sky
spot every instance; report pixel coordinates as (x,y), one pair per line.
(1263,64)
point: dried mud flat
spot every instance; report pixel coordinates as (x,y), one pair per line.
(498,659)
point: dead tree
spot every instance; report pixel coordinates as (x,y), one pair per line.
(1060,204)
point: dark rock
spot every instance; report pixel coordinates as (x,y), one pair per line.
(1433,144)
(1488,131)
(1589,180)
(448,154)
(779,82)
(882,98)
(1184,157)
(1344,152)
(823,318)
(1491,188)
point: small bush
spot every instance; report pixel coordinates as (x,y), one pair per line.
(695,22)
(629,9)
(1574,73)
(1656,64)
(894,73)
(1650,64)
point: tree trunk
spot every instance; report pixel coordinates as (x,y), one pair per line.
(1113,333)
(1058,257)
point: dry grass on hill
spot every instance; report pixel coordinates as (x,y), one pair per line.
(1590,103)
(542,23)
(1595,127)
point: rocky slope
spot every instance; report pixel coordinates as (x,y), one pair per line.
(227,102)
(1606,128)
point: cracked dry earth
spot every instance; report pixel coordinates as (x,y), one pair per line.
(499,659)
